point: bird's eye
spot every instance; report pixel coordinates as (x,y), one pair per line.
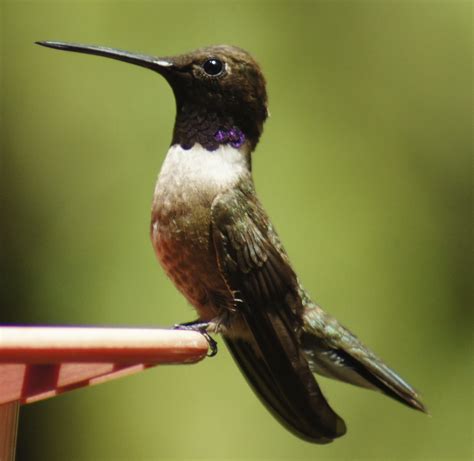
(213,67)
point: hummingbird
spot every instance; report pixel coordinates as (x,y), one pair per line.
(215,241)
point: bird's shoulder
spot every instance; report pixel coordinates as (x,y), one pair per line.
(249,251)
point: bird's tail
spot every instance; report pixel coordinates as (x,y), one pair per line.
(351,361)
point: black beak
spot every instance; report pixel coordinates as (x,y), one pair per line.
(157,64)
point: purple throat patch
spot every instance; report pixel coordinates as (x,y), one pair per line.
(234,137)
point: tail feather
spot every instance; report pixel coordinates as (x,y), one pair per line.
(386,380)
(348,360)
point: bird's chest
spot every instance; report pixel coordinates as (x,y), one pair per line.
(188,183)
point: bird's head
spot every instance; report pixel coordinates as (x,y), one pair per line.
(219,90)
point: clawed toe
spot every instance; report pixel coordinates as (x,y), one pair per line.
(212,343)
(200,327)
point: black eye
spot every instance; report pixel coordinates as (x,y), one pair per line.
(213,66)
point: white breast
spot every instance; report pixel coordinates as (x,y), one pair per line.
(187,185)
(189,174)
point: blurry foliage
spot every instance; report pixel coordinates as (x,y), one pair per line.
(364,166)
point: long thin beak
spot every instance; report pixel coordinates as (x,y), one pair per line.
(150,62)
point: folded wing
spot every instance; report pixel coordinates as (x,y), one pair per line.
(257,272)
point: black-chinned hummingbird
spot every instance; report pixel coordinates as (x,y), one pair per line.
(217,244)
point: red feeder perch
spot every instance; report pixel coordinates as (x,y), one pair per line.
(42,362)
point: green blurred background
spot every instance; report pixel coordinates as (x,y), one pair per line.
(364,167)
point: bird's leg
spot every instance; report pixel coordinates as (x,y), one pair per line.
(200,327)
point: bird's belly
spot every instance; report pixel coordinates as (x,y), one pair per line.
(185,251)
(188,183)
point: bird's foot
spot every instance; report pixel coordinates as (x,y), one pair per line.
(200,327)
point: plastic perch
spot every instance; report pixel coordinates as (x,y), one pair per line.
(41,362)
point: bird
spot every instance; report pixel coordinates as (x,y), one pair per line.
(217,244)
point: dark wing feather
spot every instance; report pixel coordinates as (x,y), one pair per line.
(260,378)
(269,354)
